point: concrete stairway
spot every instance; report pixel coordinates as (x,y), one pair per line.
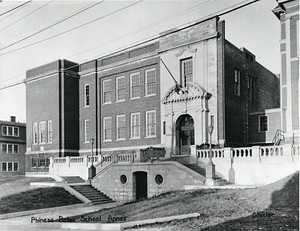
(202,171)
(73,179)
(94,195)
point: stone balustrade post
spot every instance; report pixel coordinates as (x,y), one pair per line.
(68,161)
(51,159)
(86,161)
(256,152)
(193,158)
(227,152)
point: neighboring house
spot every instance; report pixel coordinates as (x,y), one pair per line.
(162,94)
(13,147)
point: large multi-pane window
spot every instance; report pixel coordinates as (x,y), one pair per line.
(42,132)
(120,94)
(150,123)
(107,91)
(150,82)
(10,166)
(263,123)
(10,148)
(86,130)
(237,82)
(135,125)
(49,131)
(10,131)
(35,133)
(86,95)
(186,71)
(121,127)
(107,128)
(135,85)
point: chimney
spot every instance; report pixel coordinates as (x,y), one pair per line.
(12,119)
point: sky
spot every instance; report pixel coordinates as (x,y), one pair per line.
(40,32)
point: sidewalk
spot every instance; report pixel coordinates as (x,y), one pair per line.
(28,222)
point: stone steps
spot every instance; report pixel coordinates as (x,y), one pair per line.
(73,179)
(94,195)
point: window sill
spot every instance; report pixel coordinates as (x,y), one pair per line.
(135,98)
(106,141)
(122,139)
(150,137)
(150,95)
(120,101)
(135,138)
(108,103)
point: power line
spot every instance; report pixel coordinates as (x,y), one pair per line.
(218,13)
(48,27)
(64,32)
(143,28)
(146,27)
(15,8)
(26,16)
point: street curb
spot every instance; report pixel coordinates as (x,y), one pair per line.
(37,211)
(111,226)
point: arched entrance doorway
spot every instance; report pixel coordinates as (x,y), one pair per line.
(184,134)
(140,185)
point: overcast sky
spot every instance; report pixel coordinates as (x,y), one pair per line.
(112,25)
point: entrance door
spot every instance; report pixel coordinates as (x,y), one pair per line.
(184,134)
(140,185)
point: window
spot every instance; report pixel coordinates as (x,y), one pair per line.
(10,166)
(42,132)
(16,132)
(120,88)
(4,130)
(86,131)
(150,82)
(237,78)
(121,126)
(186,71)
(263,123)
(164,127)
(35,133)
(107,128)
(34,162)
(42,162)
(4,148)
(86,95)
(150,124)
(49,131)
(10,131)
(16,148)
(135,85)
(107,91)
(135,125)
(250,88)
(9,148)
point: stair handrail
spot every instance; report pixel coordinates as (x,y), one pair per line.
(278,137)
(105,158)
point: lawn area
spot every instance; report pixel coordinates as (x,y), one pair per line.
(37,199)
(17,184)
(220,209)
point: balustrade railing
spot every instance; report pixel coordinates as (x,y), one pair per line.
(249,152)
(271,151)
(242,152)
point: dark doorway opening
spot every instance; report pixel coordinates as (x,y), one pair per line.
(184,135)
(140,186)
